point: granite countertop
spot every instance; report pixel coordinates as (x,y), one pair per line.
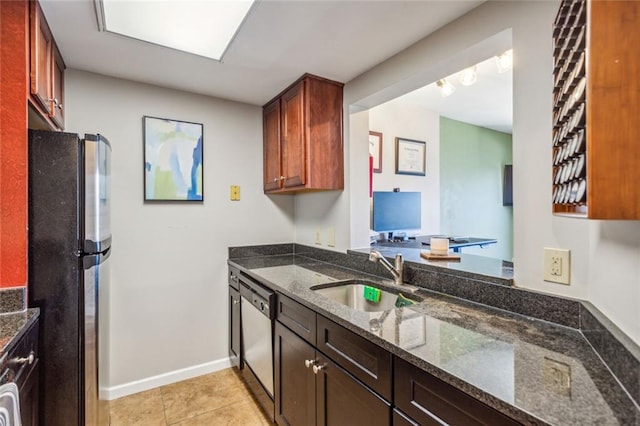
(533,370)
(13,326)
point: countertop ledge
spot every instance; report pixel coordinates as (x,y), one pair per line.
(534,371)
(12,328)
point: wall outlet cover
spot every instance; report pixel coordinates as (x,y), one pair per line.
(557,265)
(331,237)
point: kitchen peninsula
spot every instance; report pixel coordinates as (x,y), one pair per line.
(483,362)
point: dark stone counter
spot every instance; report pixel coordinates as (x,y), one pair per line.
(536,371)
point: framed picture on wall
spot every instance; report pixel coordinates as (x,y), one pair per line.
(375,150)
(172,160)
(411,157)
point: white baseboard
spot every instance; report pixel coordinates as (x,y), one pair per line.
(163,379)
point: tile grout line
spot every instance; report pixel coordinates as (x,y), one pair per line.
(164,410)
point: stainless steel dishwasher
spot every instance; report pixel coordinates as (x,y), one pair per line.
(257,304)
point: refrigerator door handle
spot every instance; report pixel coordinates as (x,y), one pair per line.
(94,247)
(96,194)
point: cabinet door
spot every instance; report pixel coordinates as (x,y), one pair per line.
(29,394)
(271,128)
(293,137)
(57,88)
(341,399)
(41,50)
(234,324)
(294,381)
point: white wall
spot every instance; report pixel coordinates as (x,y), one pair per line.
(168,295)
(605,255)
(397,118)
(472,161)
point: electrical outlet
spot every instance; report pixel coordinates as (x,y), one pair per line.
(557,265)
(318,237)
(331,237)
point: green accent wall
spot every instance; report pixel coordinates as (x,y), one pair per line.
(472,161)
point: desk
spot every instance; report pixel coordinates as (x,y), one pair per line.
(422,241)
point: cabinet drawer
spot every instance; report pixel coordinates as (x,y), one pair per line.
(430,401)
(19,364)
(365,360)
(300,319)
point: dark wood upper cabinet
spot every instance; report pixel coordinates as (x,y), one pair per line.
(271,129)
(596,155)
(57,88)
(303,145)
(46,71)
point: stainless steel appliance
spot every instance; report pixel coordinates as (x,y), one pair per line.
(257,304)
(69,249)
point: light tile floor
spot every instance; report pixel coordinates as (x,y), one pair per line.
(219,398)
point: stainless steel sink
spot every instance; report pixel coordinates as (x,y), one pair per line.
(351,294)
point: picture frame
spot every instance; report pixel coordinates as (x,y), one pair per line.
(375,150)
(173,161)
(411,157)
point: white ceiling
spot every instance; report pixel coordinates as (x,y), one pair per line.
(278,42)
(487,103)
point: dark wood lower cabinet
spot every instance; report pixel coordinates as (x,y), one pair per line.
(399,419)
(342,400)
(312,390)
(294,382)
(21,365)
(430,401)
(29,397)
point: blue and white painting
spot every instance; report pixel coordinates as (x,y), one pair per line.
(172,160)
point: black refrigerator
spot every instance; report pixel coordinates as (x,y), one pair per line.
(69,249)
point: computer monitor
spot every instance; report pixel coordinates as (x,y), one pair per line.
(396,211)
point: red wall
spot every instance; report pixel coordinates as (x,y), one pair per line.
(13,142)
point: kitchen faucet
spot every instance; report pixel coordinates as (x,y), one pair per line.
(396,271)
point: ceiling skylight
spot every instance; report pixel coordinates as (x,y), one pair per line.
(204,27)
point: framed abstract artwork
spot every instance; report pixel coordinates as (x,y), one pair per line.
(172,160)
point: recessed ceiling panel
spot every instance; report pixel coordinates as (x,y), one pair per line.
(204,28)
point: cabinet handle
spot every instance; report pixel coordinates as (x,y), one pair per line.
(309,362)
(56,103)
(283,178)
(25,359)
(317,368)
(275,179)
(235,302)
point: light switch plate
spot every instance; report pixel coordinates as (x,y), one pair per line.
(557,265)
(235,192)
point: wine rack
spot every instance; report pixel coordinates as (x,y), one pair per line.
(596,109)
